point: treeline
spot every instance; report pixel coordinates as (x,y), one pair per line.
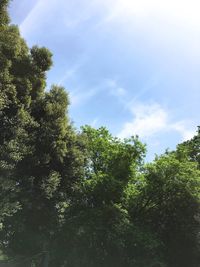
(85,198)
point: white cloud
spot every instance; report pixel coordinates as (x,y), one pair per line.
(147,121)
(94,122)
(183,12)
(114,88)
(177,10)
(80,97)
(69,14)
(69,73)
(170,26)
(34,16)
(159,22)
(150,120)
(184,131)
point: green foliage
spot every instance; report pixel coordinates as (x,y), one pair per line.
(170,205)
(4,18)
(41,58)
(40,159)
(97,228)
(110,163)
(191,149)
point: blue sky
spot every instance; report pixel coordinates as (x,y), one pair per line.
(132,66)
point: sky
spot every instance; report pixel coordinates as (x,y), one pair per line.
(131,66)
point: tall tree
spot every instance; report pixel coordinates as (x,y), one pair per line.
(169,205)
(98,230)
(40,159)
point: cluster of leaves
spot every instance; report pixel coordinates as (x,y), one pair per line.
(85,198)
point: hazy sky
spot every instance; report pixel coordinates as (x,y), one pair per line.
(130,65)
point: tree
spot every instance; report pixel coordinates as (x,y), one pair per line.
(4,17)
(97,229)
(14,119)
(41,160)
(191,148)
(169,205)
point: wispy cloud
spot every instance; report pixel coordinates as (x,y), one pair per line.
(152,119)
(80,97)
(184,131)
(115,89)
(147,120)
(171,26)
(71,14)
(72,71)
(170,10)
(109,86)
(32,17)
(94,122)
(68,74)
(150,84)
(158,21)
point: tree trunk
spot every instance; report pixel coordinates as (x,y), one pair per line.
(46,259)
